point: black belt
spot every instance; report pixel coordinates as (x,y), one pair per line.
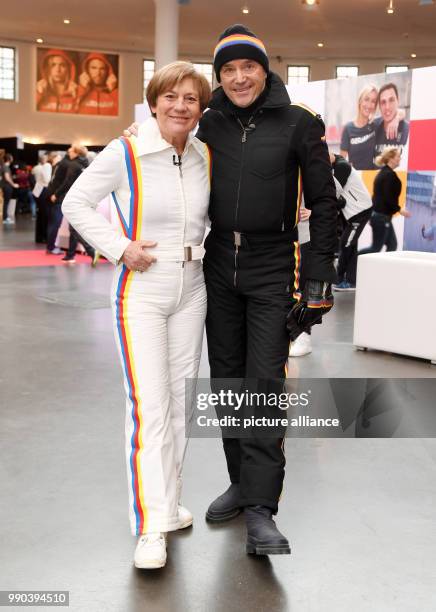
(244,239)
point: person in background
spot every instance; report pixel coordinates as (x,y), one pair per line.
(42,175)
(387,190)
(303,344)
(59,171)
(8,186)
(354,204)
(25,200)
(79,161)
(429,233)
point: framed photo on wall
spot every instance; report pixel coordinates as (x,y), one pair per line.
(77,82)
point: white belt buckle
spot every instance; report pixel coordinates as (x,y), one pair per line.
(187,253)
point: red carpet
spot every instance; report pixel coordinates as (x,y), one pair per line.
(30,259)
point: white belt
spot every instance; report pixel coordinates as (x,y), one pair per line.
(187,253)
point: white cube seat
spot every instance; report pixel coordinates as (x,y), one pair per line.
(395,306)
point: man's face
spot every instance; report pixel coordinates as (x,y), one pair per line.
(97,70)
(388,104)
(243,81)
(72,153)
(58,69)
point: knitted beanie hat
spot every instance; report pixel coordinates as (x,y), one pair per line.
(238,42)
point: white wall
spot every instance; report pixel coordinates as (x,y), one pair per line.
(21,117)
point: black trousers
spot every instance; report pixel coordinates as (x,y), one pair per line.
(54,222)
(8,191)
(249,295)
(75,238)
(347,263)
(383,233)
(41,224)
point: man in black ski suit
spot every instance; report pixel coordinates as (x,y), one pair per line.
(265,151)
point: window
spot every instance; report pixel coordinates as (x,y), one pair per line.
(298,74)
(343,72)
(206,69)
(392,69)
(7,73)
(148,73)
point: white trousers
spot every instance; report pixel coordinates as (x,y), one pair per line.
(158,323)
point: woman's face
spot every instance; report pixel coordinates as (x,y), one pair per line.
(178,110)
(368,104)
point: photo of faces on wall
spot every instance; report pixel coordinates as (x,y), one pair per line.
(366,114)
(420,227)
(77,82)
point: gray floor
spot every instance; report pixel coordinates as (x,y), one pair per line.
(360,514)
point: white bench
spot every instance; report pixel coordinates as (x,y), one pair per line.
(395,306)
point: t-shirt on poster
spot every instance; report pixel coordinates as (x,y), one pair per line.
(382,141)
(359,142)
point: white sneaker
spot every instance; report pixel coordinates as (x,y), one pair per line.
(8,221)
(301,346)
(151,551)
(185,517)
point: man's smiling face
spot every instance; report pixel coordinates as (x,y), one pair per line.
(243,81)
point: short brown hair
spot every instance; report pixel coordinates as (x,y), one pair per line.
(388,154)
(388,86)
(172,74)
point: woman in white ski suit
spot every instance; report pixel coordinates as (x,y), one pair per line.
(160,184)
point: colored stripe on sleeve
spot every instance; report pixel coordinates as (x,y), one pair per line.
(303,106)
(135,184)
(299,196)
(297,257)
(120,214)
(209,163)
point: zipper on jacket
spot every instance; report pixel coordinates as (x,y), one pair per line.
(182,189)
(238,234)
(243,141)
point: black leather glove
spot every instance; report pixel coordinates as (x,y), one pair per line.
(316,301)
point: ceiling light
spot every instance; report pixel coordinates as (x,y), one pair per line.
(320,44)
(390,8)
(67,21)
(39,40)
(310,2)
(413,55)
(245,10)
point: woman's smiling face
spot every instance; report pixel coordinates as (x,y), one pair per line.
(368,104)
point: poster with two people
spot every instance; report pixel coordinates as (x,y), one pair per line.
(77,82)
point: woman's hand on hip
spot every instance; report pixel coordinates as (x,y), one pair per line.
(136,258)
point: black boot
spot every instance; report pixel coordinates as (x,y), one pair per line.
(263,537)
(225,507)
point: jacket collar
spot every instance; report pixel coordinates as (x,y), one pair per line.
(277,96)
(149,140)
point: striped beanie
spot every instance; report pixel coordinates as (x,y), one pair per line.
(237,42)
